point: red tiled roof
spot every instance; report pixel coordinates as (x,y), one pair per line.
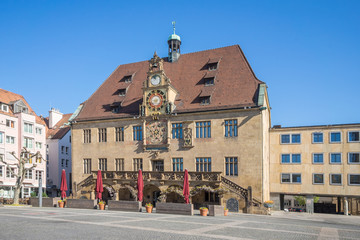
(207,91)
(10,97)
(60,129)
(236,85)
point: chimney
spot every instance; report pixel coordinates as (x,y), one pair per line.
(54,117)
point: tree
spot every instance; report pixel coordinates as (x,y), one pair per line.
(302,200)
(25,157)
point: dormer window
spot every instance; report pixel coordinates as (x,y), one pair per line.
(209,81)
(213,64)
(121,92)
(5,108)
(115,107)
(128,78)
(205,100)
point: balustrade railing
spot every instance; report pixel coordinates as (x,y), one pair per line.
(165,176)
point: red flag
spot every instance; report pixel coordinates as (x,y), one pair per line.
(63,185)
(186,189)
(140,186)
(99,185)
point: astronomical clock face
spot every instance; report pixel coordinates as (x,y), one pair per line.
(156,100)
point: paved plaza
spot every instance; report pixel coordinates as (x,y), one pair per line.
(56,223)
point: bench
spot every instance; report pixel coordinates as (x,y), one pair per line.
(175,208)
(129,206)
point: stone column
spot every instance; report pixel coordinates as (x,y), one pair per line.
(92,195)
(346,206)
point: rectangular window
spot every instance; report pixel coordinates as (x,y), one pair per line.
(335,137)
(38,131)
(62,149)
(137,133)
(67,163)
(62,162)
(336,179)
(354,158)
(10,140)
(203,129)
(10,173)
(87,166)
(5,108)
(290,138)
(318,178)
(318,158)
(177,131)
(1,137)
(1,171)
(38,175)
(10,123)
(102,134)
(38,145)
(87,135)
(231,128)
(317,137)
(177,164)
(103,164)
(28,128)
(231,166)
(203,164)
(354,136)
(290,158)
(28,142)
(137,164)
(354,179)
(28,174)
(290,177)
(119,134)
(67,150)
(119,164)
(335,158)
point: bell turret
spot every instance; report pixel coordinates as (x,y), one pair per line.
(174,43)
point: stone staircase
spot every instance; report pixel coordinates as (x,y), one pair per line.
(246,194)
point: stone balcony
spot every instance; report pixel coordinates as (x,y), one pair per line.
(165,177)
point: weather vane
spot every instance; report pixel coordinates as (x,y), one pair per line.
(173,23)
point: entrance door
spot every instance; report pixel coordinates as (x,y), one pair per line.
(158,165)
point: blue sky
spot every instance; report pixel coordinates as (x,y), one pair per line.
(57,53)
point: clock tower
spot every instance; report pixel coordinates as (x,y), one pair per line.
(158,103)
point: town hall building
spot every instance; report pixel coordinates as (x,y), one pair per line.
(206,112)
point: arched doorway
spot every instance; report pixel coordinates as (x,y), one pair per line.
(108,194)
(127,193)
(150,194)
(175,194)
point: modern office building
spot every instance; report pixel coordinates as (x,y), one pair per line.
(322,161)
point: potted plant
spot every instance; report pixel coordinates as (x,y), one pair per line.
(204,211)
(269,204)
(61,203)
(149,207)
(226,211)
(102,205)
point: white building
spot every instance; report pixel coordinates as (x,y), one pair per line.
(20,127)
(58,152)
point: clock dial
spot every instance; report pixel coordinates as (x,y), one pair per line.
(155,100)
(155,80)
